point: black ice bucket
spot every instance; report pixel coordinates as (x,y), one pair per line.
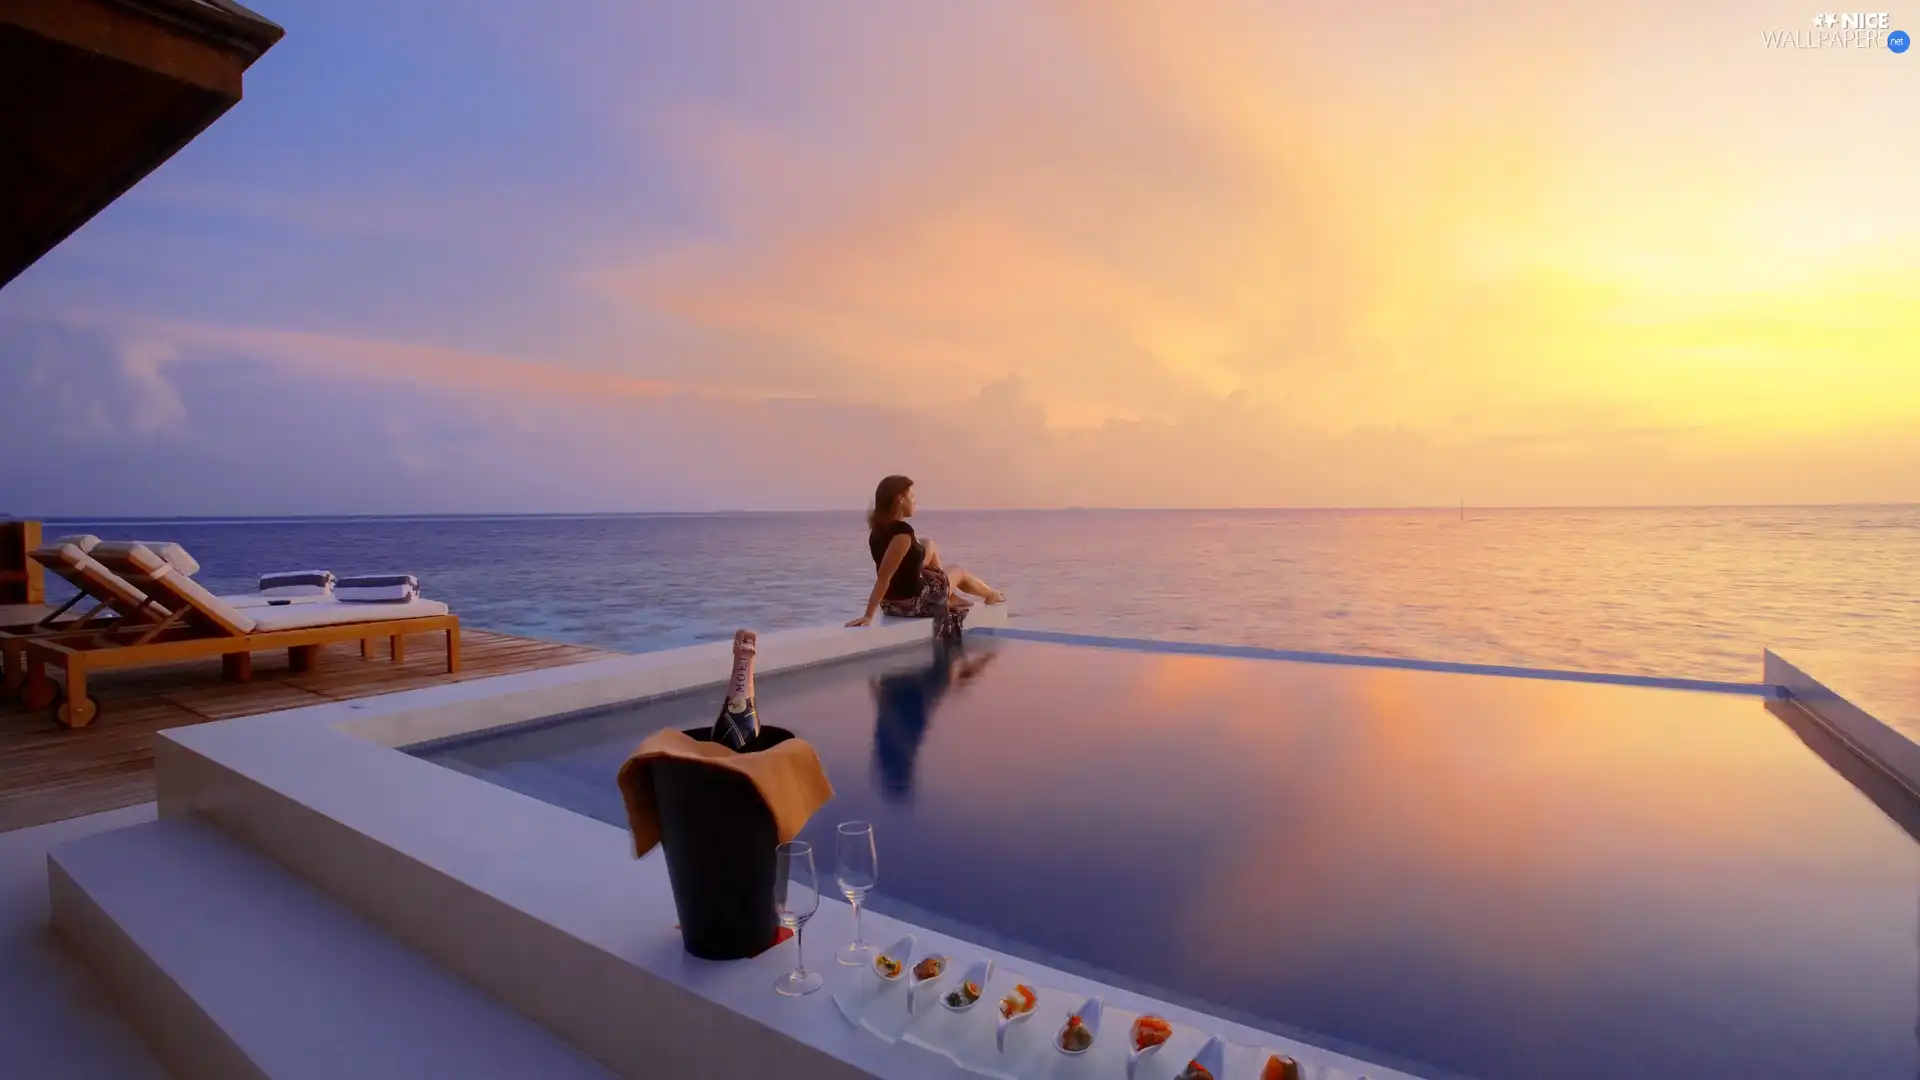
(719,838)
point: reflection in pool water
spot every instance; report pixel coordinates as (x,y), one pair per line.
(904,704)
(1498,878)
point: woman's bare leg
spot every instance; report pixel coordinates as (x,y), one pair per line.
(962,581)
(967,583)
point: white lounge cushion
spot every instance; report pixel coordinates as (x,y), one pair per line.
(172,554)
(248,601)
(175,555)
(86,574)
(137,561)
(335,613)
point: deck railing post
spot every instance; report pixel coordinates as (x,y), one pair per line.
(21,579)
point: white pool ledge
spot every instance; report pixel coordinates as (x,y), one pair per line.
(1871,703)
(543,908)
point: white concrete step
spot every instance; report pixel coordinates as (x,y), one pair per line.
(232,967)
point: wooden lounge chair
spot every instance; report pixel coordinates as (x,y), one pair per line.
(107,605)
(116,607)
(201,625)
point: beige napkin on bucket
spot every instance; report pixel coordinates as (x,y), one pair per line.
(788,775)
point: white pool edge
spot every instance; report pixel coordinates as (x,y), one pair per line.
(543,908)
(548,911)
(1880,744)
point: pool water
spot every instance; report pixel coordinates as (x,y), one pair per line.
(1455,874)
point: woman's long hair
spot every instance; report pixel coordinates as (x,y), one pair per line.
(886,501)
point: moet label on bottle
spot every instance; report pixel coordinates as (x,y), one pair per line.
(736,729)
(739,722)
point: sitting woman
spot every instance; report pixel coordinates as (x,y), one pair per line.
(909,582)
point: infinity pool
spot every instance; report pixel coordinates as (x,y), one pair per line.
(1505,879)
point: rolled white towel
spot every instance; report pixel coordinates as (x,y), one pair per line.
(297,585)
(377,589)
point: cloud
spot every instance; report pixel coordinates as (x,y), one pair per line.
(370,359)
(1152,212)
(1033,253)
(245,432)
(153,403)
(1069,224)
(71,386)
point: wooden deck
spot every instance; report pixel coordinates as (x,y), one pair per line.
(49,773)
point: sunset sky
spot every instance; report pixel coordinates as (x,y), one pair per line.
(613,255)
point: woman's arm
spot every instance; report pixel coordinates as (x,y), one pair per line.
(889,562)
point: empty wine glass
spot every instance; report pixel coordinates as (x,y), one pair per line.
(796,896)
(859,870)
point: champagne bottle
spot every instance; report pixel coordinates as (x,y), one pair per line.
(739,722)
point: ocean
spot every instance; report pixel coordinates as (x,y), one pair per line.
(1690,592)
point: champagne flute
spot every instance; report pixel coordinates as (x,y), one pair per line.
(859,869)
(796,896)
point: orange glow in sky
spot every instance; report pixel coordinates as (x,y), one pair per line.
(1136,254)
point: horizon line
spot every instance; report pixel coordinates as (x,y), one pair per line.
(1422,508)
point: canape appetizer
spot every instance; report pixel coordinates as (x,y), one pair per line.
(1019,1002)
(1195,1071)
(1015,1009)
(1149,1032)
(930,968)
(964,997)
(1081,1029)
(1280,1067)
(887,966)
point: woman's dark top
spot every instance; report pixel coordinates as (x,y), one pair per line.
(906,580)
